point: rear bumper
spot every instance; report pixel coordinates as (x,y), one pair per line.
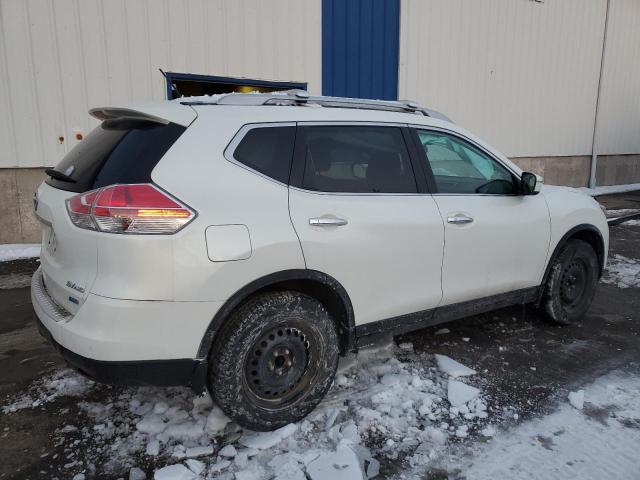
(127,342)
(185,372)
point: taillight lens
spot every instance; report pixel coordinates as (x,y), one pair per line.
(139,208)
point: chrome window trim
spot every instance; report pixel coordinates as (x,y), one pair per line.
(347,123)
(230,149)
(459,135)
(359,194)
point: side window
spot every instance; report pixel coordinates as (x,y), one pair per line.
(357,159)
(268,150)
(459,167)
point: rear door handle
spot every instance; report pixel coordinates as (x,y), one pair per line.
(459,219)
(327,222)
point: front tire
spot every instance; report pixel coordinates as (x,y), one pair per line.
(274,360)
(571,284)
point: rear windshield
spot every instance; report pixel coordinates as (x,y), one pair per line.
(118,151)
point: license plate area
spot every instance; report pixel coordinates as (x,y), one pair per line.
(51,241)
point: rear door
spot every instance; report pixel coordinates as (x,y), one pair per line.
(362,218)
(496,240)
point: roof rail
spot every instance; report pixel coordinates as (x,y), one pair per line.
(302,97)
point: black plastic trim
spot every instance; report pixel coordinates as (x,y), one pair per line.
(428,318)
(346,329)
(424,185)
(180,372)
(421,157)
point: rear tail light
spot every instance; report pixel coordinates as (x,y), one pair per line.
(139,208)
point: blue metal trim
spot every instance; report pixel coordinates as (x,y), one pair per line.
(172,76)
(360,48)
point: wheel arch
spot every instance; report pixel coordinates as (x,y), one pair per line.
(586,232)
(321,286)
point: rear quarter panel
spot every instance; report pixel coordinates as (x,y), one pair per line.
(224,193)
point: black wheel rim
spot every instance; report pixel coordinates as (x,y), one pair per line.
(573,283)
(278,368)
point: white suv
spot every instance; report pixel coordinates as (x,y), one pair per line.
(245,242)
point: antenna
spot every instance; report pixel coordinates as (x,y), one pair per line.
(173,85)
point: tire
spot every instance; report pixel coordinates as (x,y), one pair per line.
(571,284)
(274,360)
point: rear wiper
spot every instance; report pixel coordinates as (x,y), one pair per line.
(59,175)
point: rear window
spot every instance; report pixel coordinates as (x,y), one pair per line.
(118,151)
(268,150)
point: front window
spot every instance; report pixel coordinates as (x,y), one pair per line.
(459,167)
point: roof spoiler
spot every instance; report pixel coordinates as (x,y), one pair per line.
(161,113)
(124,113)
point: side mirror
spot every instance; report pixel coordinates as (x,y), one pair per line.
(530,183)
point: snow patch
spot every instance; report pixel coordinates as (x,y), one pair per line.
(59,384)
(622,272)
(16,251)
(576,399)
(569,443)
(137,474)
(452,367)
(174,472)
(343,464)
(460,393)
(264,440)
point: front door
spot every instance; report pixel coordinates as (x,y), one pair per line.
(361,219)
(496,240)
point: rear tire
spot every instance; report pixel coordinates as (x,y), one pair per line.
(571,284)
(273,360)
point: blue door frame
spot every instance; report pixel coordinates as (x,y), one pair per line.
(360,48)
(231,81)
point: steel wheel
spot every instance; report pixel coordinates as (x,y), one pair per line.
(279,366)
(573,283)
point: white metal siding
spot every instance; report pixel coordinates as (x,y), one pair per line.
(522,74)
(59,58)
(619,111)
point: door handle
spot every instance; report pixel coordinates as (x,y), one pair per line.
(459,219)
(327,222)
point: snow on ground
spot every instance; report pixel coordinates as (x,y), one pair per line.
(62,383)
(601,441)
(15,251)
(388,405)
(610,189)
(390,410)
(621,212)
(622,271)
(15,280)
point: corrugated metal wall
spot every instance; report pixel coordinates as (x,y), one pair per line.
(360,42)
(58,58)
(520,73)
(619,111)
